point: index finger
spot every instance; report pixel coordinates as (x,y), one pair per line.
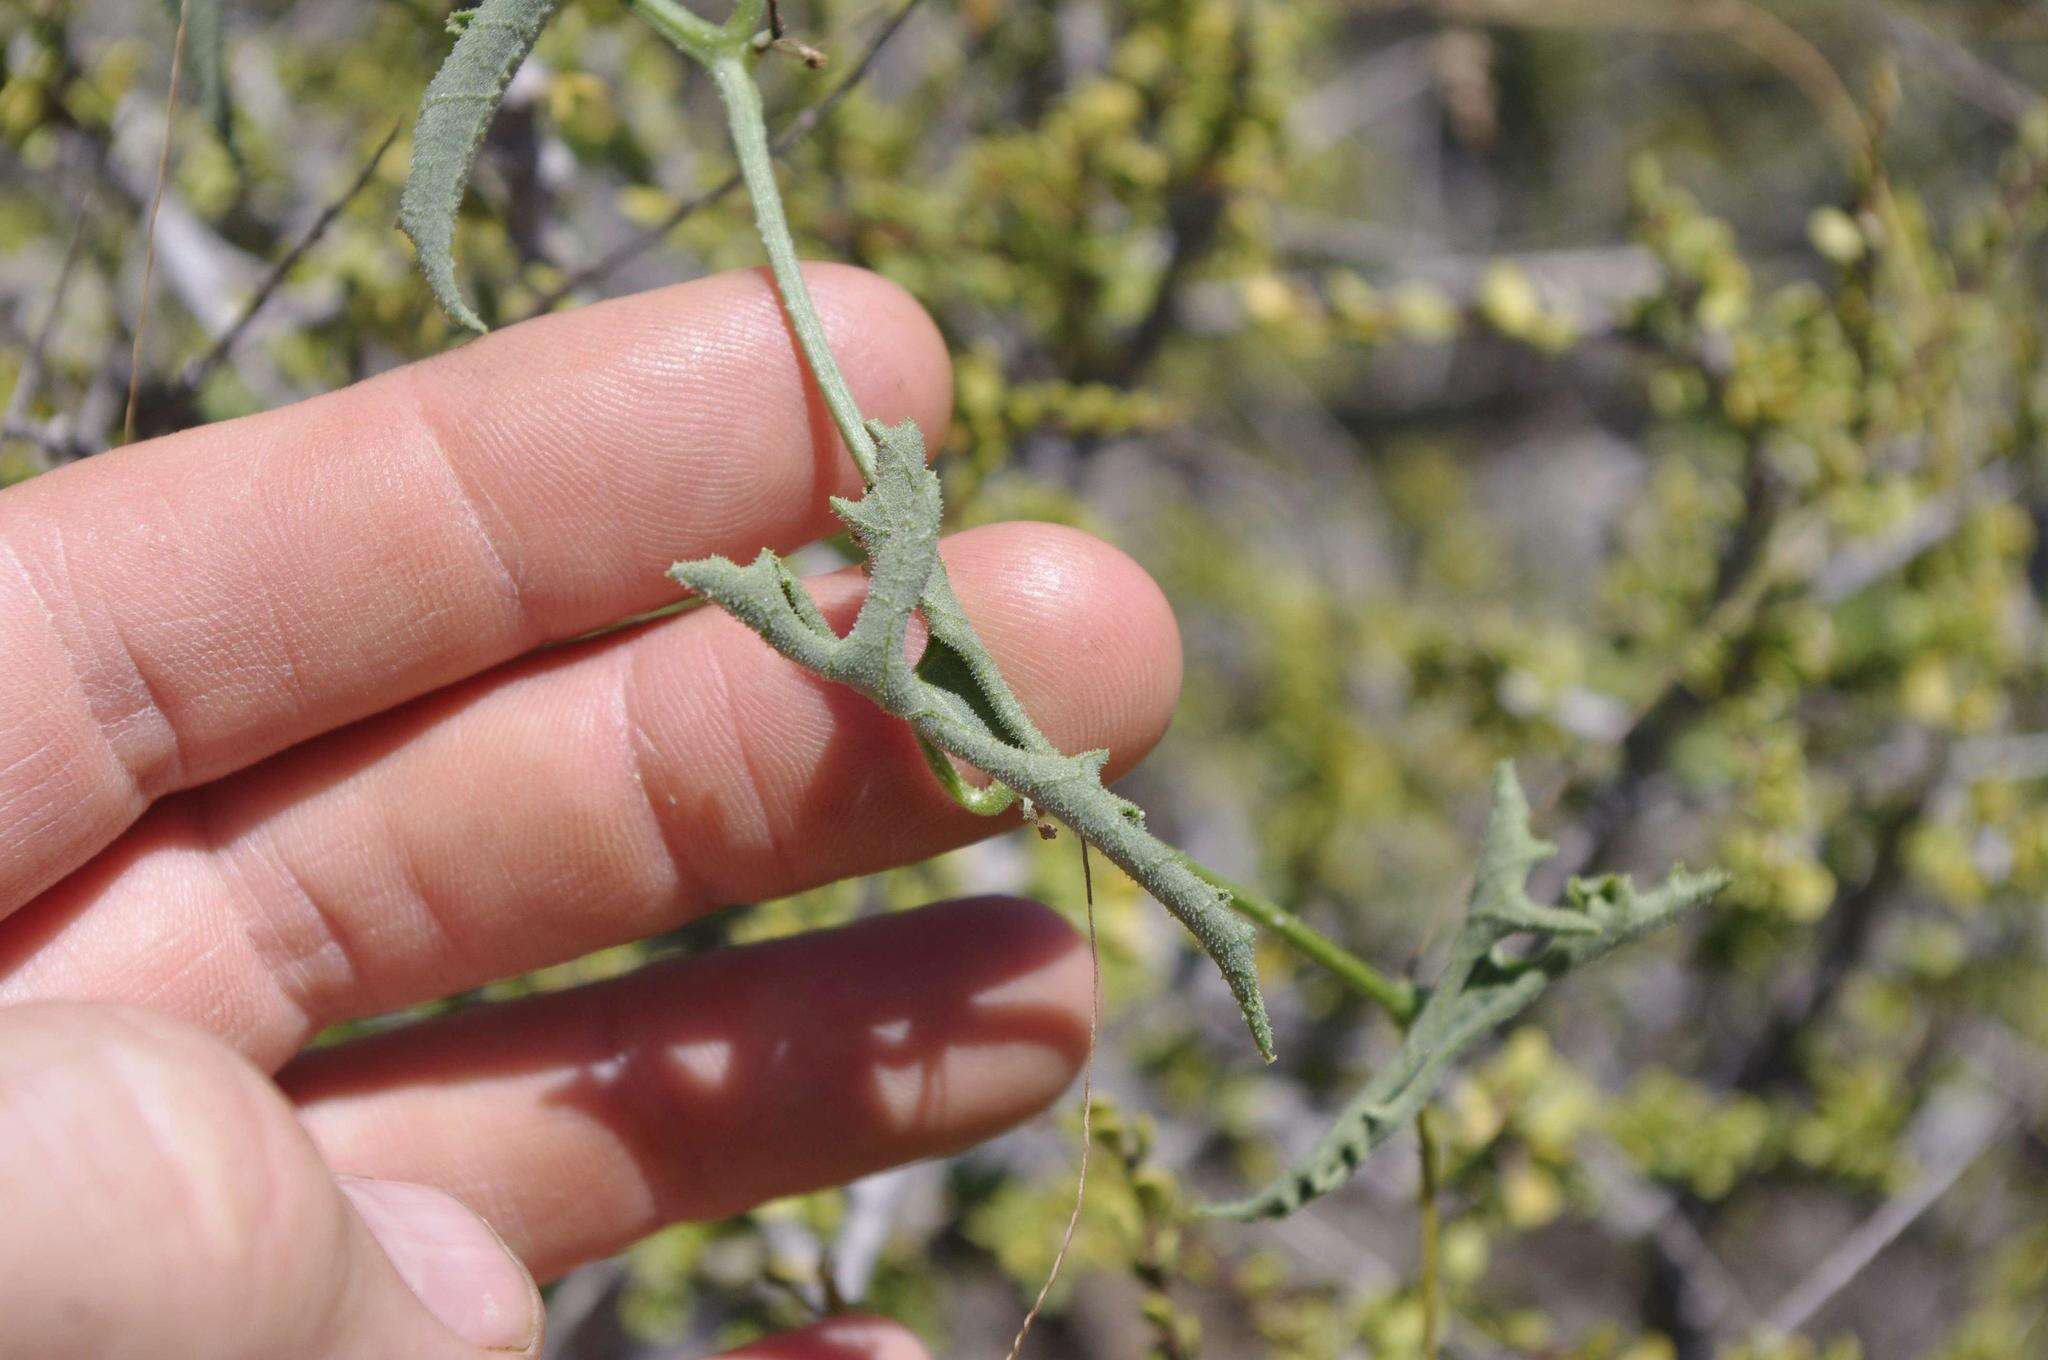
(180,609)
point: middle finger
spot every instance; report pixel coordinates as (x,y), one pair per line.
(570,802)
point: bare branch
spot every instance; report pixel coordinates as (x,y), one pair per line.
(55,442)
(1957,67)
(196,372)
(1635,1208)
(1959,1130)
(31,375)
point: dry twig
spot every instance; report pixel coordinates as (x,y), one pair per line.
(163,168)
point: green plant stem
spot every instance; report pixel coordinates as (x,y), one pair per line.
(697,37)
(726,51)
(742,99)
(1479,989)
(1400,998)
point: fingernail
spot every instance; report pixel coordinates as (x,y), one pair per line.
(452,1260)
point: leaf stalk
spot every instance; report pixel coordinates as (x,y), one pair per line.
(1398,997)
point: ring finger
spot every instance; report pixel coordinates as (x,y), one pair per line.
(580,1121)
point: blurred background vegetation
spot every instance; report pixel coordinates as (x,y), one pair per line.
(1650,391)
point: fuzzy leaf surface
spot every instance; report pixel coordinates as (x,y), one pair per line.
(456,112)
(1480,988)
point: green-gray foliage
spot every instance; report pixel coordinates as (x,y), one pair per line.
(1425,493)
(1481,987)
(955,697)
(491,42)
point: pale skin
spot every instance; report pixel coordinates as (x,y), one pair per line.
(286,746)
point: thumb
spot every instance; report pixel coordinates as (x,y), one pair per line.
(164,1203)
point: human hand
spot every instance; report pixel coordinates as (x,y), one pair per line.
(280,753)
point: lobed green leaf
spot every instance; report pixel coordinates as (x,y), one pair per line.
(1480,989)
(492,41)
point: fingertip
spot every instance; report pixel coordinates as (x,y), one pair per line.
(452,1260)
(1084,634)
(852,1336)
(1048,966)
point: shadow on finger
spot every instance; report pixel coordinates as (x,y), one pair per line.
(579,1121)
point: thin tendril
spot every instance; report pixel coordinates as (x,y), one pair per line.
(156,201)
(1087,1108)
(1432,1232)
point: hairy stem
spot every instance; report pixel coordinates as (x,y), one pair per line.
(697,36)
(742,100)
(724,51)
(1397,996)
